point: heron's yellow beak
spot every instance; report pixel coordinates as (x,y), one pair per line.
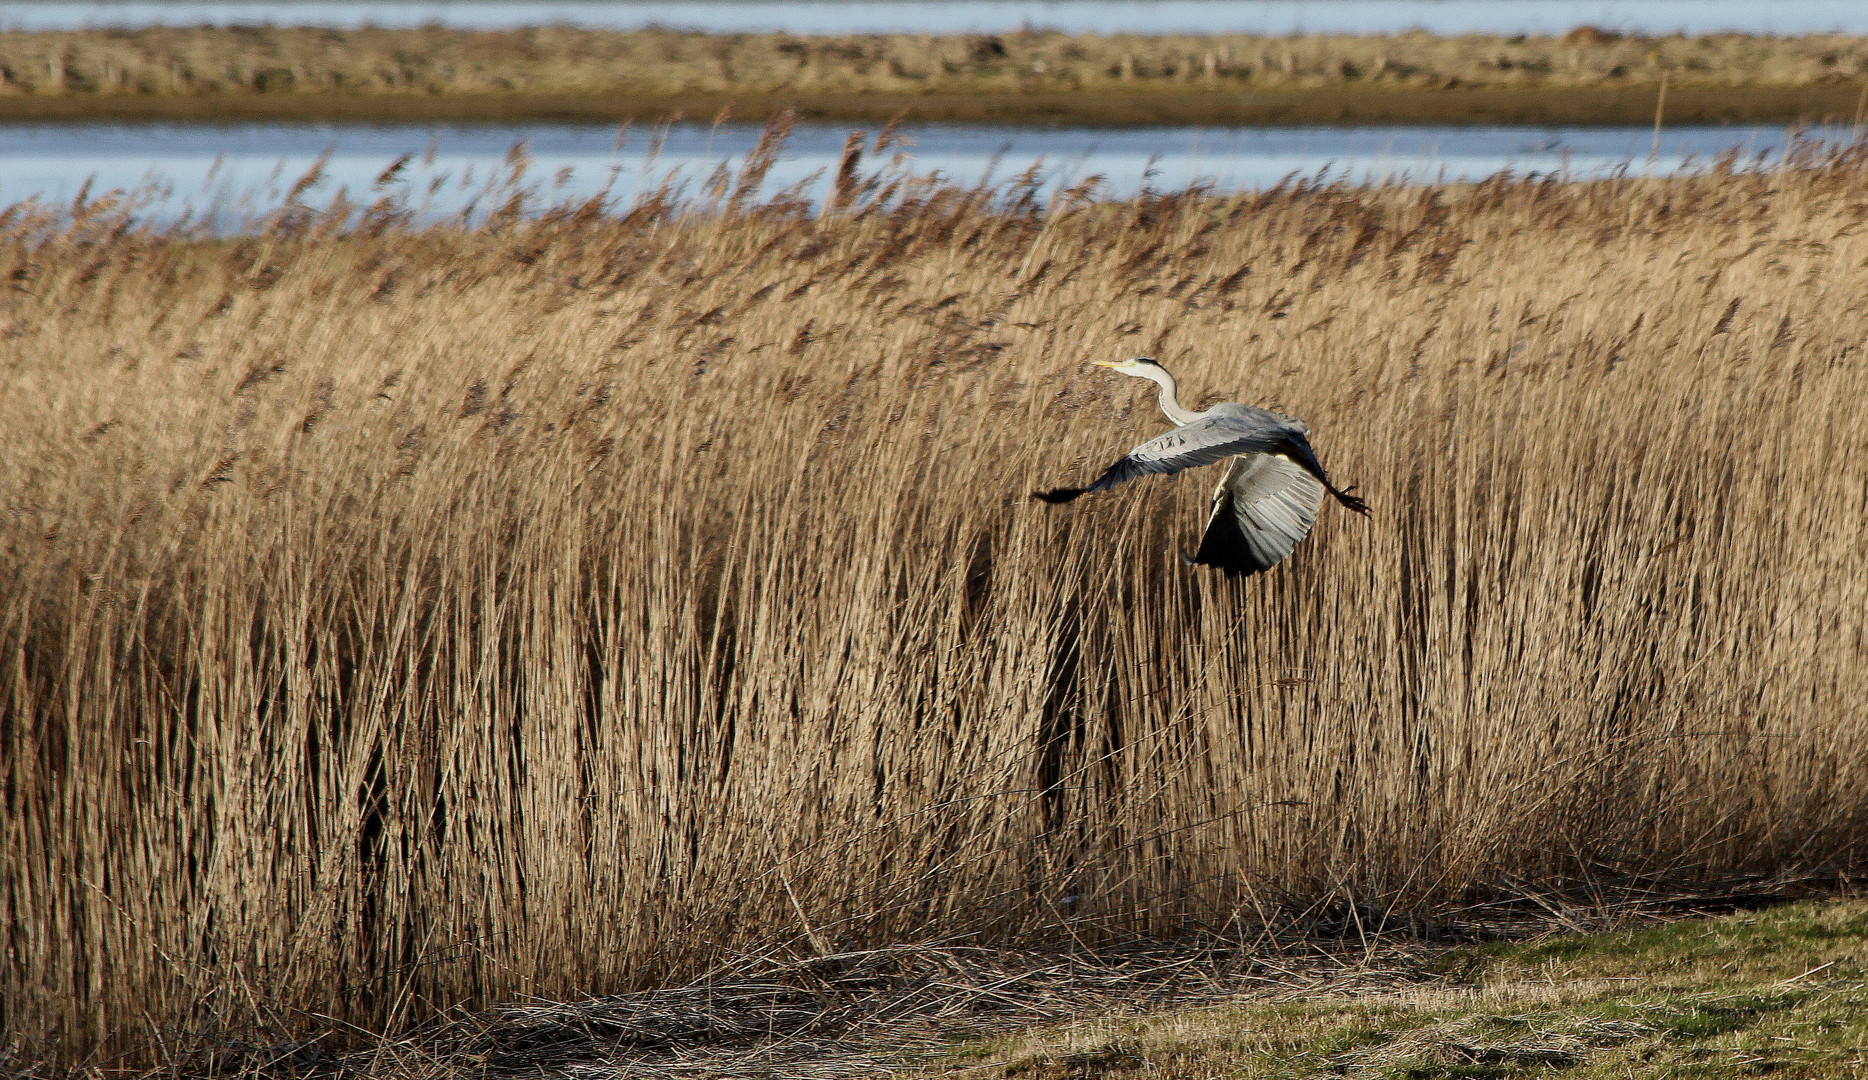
(1107,363)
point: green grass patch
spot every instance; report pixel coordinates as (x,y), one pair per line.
(1780,992)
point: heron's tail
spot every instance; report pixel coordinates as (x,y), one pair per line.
(1058,495)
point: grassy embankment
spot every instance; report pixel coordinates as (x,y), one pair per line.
(397,620)
(1782,993)
(1586,77)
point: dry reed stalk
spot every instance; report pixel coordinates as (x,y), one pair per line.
(400,621)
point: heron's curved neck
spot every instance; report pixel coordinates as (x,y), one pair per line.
(1170,398)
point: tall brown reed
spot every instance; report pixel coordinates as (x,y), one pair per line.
(397,620)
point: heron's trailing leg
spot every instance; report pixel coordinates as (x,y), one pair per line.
(1349,500)
(1303,455)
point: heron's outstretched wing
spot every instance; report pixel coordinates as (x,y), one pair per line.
(1261,510)
(1202,442)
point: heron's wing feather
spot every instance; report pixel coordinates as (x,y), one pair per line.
(1261,510)
(1202,442)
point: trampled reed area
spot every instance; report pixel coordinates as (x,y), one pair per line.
(397,620)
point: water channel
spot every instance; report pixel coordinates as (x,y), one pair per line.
(233,172)
(238,171)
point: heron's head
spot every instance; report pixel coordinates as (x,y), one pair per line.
(1142,366)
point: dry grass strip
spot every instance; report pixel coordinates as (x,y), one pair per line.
(1587,76)
(561,59)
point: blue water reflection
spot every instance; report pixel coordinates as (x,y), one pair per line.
(238,171)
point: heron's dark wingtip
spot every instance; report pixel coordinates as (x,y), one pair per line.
(1057,495)
(1232,570)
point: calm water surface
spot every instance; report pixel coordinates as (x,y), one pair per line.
(962,16)
(234,172)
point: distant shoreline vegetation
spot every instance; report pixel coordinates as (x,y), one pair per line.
(1587,76)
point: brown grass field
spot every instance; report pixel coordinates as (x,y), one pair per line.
(1585,77)
(399,620)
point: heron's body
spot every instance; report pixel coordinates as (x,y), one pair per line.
(1273,486)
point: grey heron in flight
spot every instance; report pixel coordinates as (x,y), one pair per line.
(1272,489)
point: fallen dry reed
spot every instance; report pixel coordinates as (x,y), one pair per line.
(892,1008)
(399,620)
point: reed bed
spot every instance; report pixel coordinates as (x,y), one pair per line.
(400,620)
